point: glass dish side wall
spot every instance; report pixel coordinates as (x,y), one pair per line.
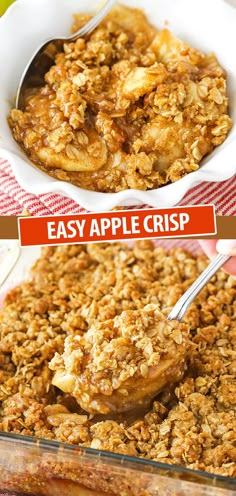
(44,468)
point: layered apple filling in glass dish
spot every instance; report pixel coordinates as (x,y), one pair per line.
(88,357)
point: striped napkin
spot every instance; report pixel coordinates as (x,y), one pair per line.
(16,201)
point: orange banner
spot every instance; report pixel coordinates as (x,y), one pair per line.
(120,225)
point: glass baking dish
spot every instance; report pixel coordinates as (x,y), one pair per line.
(38,467)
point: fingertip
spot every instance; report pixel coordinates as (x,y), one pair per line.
(208,246)
(226,246)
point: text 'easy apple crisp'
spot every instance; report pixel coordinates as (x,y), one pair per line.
(125,107)
(77,314)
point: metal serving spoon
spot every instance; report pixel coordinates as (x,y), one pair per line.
(178,311)
(43,58)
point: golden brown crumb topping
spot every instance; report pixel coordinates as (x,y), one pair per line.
(76,288)
(122,363)
(125,107)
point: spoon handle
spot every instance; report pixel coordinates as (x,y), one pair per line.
(186,299)
(94,22)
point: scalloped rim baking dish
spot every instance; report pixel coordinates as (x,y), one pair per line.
(206,24)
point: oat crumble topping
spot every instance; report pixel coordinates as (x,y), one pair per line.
(122,363)
(74,289)
(125,107)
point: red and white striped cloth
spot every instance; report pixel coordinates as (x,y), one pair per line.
(14,200)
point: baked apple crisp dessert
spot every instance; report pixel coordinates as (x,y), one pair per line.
(90,323)
(125,107)
(122,363)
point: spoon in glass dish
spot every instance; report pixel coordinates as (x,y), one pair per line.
(43,58)
(123,363)
(180,308)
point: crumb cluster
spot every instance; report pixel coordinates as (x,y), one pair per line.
(122,363)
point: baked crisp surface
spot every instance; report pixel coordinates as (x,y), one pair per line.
(122,363)
(76,288)
(126,107)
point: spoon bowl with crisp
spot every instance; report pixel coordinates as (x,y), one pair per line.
(125,362)
(43,57)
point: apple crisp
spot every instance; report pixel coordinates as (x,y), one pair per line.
(122,363)
(127,106)
(108,287)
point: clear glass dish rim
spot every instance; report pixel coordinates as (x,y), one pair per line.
(147,466)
